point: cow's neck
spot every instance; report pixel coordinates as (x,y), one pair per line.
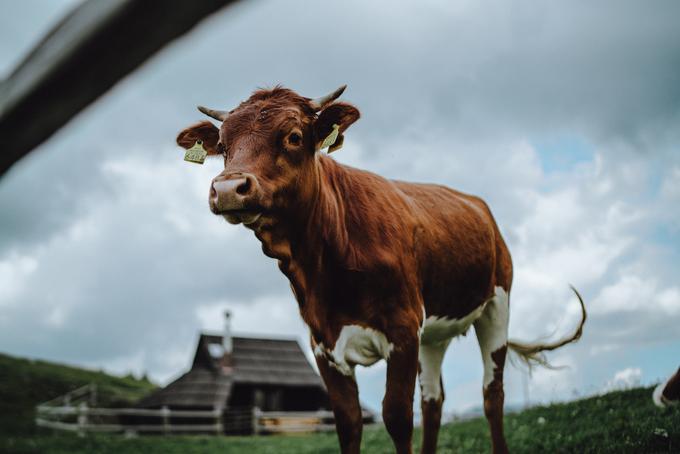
(313,234)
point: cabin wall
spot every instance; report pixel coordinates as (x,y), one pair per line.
(278,398)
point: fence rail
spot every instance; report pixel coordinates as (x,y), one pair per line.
(83,419)
(69,410)
(170,428)
(77,412)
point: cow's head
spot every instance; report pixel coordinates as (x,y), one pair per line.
(269,144)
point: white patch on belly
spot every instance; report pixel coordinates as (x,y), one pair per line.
(492,330)
(355,345)
(439,329)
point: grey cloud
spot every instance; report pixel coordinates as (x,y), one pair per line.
(112,284)
(477,69)
(449,93)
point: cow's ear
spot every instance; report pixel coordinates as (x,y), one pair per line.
(205,131)
(341,114)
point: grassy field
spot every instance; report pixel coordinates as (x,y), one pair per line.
(25,383)
(618,422)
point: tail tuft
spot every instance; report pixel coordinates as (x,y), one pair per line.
(531,354)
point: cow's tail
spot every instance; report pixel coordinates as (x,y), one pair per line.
(533,354)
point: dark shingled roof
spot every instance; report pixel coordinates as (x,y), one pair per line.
(271,361)
(196,388)
(279,362)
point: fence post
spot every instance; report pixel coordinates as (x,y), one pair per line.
(256,420)
(165,414)
(93,394)
(82,419)
(218,421)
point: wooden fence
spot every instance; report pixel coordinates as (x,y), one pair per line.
(74,412)
(82,419)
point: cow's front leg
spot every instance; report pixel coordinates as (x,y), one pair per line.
(344,396)
(402,368)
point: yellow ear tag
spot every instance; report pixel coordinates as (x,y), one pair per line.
(331,138)
(196,153)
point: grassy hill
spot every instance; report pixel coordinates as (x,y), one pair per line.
(618,422)
(25,383)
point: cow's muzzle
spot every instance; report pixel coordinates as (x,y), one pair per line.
(236,197)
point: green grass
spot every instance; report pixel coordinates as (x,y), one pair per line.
(25,383)
(618,422)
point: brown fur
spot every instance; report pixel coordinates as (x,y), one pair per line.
(493,402)
(360,249)
(344,396)
(431,411)
(671,391)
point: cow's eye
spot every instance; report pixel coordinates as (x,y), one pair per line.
(294,138)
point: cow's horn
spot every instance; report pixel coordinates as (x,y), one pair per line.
(319,103)
(216,114)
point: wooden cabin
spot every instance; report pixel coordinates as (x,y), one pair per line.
(236,375)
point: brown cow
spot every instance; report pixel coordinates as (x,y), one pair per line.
(381,269)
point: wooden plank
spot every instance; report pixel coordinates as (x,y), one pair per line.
(56,425)
(298,429)
(303,414)
(123,427)
(160,428)
(127,412)
(296,414)
(78,392)
(83,56)
(176,428)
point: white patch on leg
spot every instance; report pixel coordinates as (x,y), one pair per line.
(492,330)
(430,358)
(435,337)
(658,397)
(355,345)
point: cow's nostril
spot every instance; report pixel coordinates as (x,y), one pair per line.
(233,193)
(244,188)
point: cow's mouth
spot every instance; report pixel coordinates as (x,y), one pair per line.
(244,216)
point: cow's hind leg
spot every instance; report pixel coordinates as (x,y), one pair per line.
(431,392)
(492,333)
(343,394)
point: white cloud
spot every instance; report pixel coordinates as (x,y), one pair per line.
(267,315)
(624,379)
(598,349)
(552,385)
(631,293)
(14,270)
(670,187)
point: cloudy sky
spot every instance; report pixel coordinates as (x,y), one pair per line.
(564,116)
